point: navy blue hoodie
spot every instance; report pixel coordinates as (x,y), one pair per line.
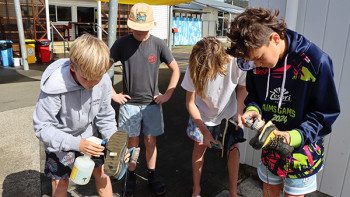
(309,104)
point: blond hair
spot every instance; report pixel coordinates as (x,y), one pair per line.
(91,56)
(207,59)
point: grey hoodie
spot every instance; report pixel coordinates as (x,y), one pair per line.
(66,112)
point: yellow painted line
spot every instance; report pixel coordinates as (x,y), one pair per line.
(179,63)
(182,63)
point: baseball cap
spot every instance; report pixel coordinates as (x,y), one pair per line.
(141,17)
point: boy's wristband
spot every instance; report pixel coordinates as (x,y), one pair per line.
(295,138)
(252,108)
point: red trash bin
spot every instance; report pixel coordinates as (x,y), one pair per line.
(44,49)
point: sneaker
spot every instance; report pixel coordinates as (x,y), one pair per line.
(134,155)
(228,127)
(116,151)
(237,134)
(130,185)
(157,187)
(266,139)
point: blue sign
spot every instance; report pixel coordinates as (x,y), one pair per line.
(190,30)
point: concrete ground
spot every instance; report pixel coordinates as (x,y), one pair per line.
(22,156)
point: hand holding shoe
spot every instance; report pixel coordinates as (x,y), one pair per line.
(284,134)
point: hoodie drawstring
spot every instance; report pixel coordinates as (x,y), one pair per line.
(282,86)
(283,82)
(267,86)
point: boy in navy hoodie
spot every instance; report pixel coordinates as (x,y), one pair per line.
(292,85)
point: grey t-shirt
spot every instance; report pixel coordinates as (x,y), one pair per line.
(140,62)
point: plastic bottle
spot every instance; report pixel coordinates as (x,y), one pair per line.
(82,170)
(84,165)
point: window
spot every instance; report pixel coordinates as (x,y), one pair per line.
(60,13)
(221,29)
(52,10)
(64,13)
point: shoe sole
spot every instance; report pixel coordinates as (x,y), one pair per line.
(117,144)
(261,139)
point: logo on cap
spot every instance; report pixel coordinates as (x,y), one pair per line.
(141,16)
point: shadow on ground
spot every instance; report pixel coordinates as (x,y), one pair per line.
(175,152)
(25,184)
(10,74)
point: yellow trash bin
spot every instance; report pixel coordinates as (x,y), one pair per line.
(30,47)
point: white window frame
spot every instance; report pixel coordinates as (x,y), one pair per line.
(71,12)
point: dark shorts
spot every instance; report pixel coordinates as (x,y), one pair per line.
(55,169)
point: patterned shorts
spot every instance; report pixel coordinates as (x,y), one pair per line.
(195,134)
(60,169)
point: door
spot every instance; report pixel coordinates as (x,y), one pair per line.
(86,20)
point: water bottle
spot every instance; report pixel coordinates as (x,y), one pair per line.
(84,165)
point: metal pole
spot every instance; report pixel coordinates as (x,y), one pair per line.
(48,23)
(52,44)
(170,26)
(21,34)
(229,21)
(112,27)
(47,19)
(64,49)
(99,21)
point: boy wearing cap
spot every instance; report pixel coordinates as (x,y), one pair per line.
(140,101)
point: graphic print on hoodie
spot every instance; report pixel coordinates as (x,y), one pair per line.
(297,94)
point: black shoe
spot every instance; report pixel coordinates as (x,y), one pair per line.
(266,139)
(130,184)
(227,128)
(157,187)
(237,134)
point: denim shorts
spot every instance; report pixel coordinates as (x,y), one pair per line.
(134,117)
(292,186)
(196,135)
(58,169)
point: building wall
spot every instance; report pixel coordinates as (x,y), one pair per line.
(161,17)
(327,24)
(212,16)
(209,28)
(73,4)
(210,21)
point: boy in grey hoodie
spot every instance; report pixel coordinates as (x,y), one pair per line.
(74,104)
